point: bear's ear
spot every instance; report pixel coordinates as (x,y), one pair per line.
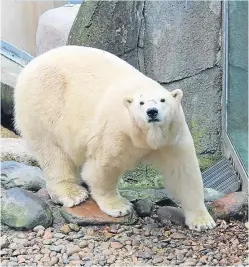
(127,101)
(177,94)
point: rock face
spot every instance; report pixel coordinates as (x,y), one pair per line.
(113,26)
(23,210)
(54,27)
(181,39)
(16,149)
(15,174)
(89,213)
(201,98)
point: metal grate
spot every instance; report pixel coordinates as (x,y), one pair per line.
(222,177)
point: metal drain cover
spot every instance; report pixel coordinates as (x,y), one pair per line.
(222,177)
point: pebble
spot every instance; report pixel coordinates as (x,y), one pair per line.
(111,259)
(145,244)
(116,245)
(65,229)
(59,235)
(39,228)
(55,248)
(74,227)
(83,244)
(177,236)
(20,259)
(54,260)
(47,235)
(40,233)
(4,243)
(71,249)
(157,259)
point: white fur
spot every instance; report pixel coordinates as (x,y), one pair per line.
(79,109)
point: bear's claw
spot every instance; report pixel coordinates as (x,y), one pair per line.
(200,221)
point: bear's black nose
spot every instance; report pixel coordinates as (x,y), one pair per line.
(152,112)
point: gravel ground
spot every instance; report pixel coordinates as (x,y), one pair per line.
(145,244)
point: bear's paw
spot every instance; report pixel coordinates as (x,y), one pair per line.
(200,220)
(116,206)
(68,194)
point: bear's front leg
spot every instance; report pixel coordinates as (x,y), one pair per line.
(103,184)
(183,180)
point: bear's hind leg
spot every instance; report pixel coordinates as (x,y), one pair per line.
(182,178)
(103,184)
(60,173)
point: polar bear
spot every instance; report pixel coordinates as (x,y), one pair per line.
(87,114)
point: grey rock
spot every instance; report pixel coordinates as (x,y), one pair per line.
(43,194)
(15,174)
(144,207)
(71,249)
(20,241)
(229,206)
(4,243)
(16,252)
(53,28)
(38,228)
(16,149)
(202,107)
(157,259)
(144,254)
(180,41)
(154,195)
(170,214)
(211,194)
(54,260)
(113,26)
(83,244)
(23,210)
(59,235)
(56,248)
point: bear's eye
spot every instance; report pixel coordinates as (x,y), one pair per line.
(162,100)
(141,103)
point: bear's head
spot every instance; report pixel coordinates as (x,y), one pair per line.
(153,111)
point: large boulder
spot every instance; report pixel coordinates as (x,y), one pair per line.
(16,149)
(15,174)
(113,26)
(54,27)
(23,210)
